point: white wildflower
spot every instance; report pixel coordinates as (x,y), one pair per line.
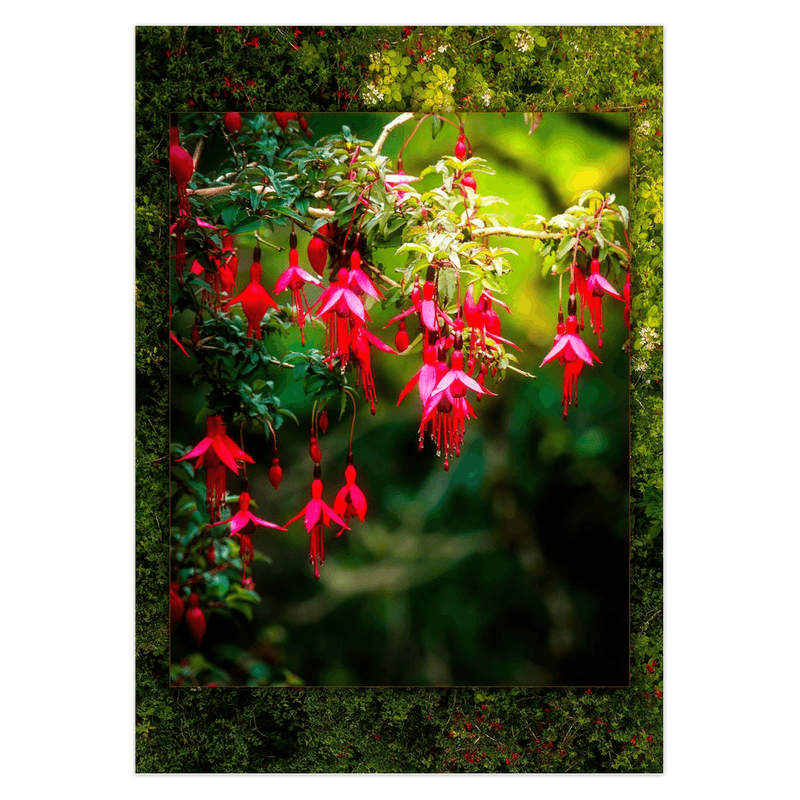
(523,41)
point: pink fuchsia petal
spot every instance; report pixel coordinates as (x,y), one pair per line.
(225,455)
(400,316)
(581,350)
(504,341)
(329,512)
(333,299)
(360,278)
(198,450)
(376,342)
(356,306)
(408,387)
(203,224)
(178,342)
(284,279)
(557,348)
(428,311)
(359,501)
(597,281)
(313,514)
(264,523)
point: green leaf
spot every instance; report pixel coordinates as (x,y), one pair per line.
(252,224)
(436,126)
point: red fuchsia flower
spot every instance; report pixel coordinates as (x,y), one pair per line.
(360,341)
(447,407)
(243,524)
(468,181)
(483,319)
(255,299)
(598,286)
(216,452)
(426,377)
(181,165)
(318,514)
(232,122)
(394,181)
(275,472)
(461,146)
(350,500)
(359,282)
(195,619)
(401,337)
(283,118)
(295,279)
(340,307)
(571,352)
(455,379)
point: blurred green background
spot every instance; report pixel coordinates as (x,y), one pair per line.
(511,568)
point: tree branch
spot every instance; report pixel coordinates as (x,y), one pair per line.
(522,233)
(388,128)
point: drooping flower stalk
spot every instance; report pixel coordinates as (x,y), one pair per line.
(597,286)
(571,351)
(216,452)
(317,515)
(243,524)
(255,299)
(295,279)
(350,500)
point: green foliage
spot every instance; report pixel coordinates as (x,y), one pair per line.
(287,729)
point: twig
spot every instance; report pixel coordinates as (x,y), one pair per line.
(198,149)
(388,128)
(522,233)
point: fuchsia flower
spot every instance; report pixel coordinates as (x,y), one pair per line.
(392,182)
(340,307)
(255,299)
(318,514)
(359,281)
(447,407)
(569,348)
(216,452)
(295,279)
(483,319)
(350,500)
(243,524)
(598,286)
(360,341)
(425,377)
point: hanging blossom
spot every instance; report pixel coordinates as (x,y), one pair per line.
(295,279)
(350,500)
(255,299)
(571,351)
(360,341)
(181,168)
(482,319)
(318,514)
(597,286)
(340,308)
(243,524)
(216,452)
(447,408)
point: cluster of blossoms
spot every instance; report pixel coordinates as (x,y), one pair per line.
(568,347)
(523,41)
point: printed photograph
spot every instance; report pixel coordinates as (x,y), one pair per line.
(400,364)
